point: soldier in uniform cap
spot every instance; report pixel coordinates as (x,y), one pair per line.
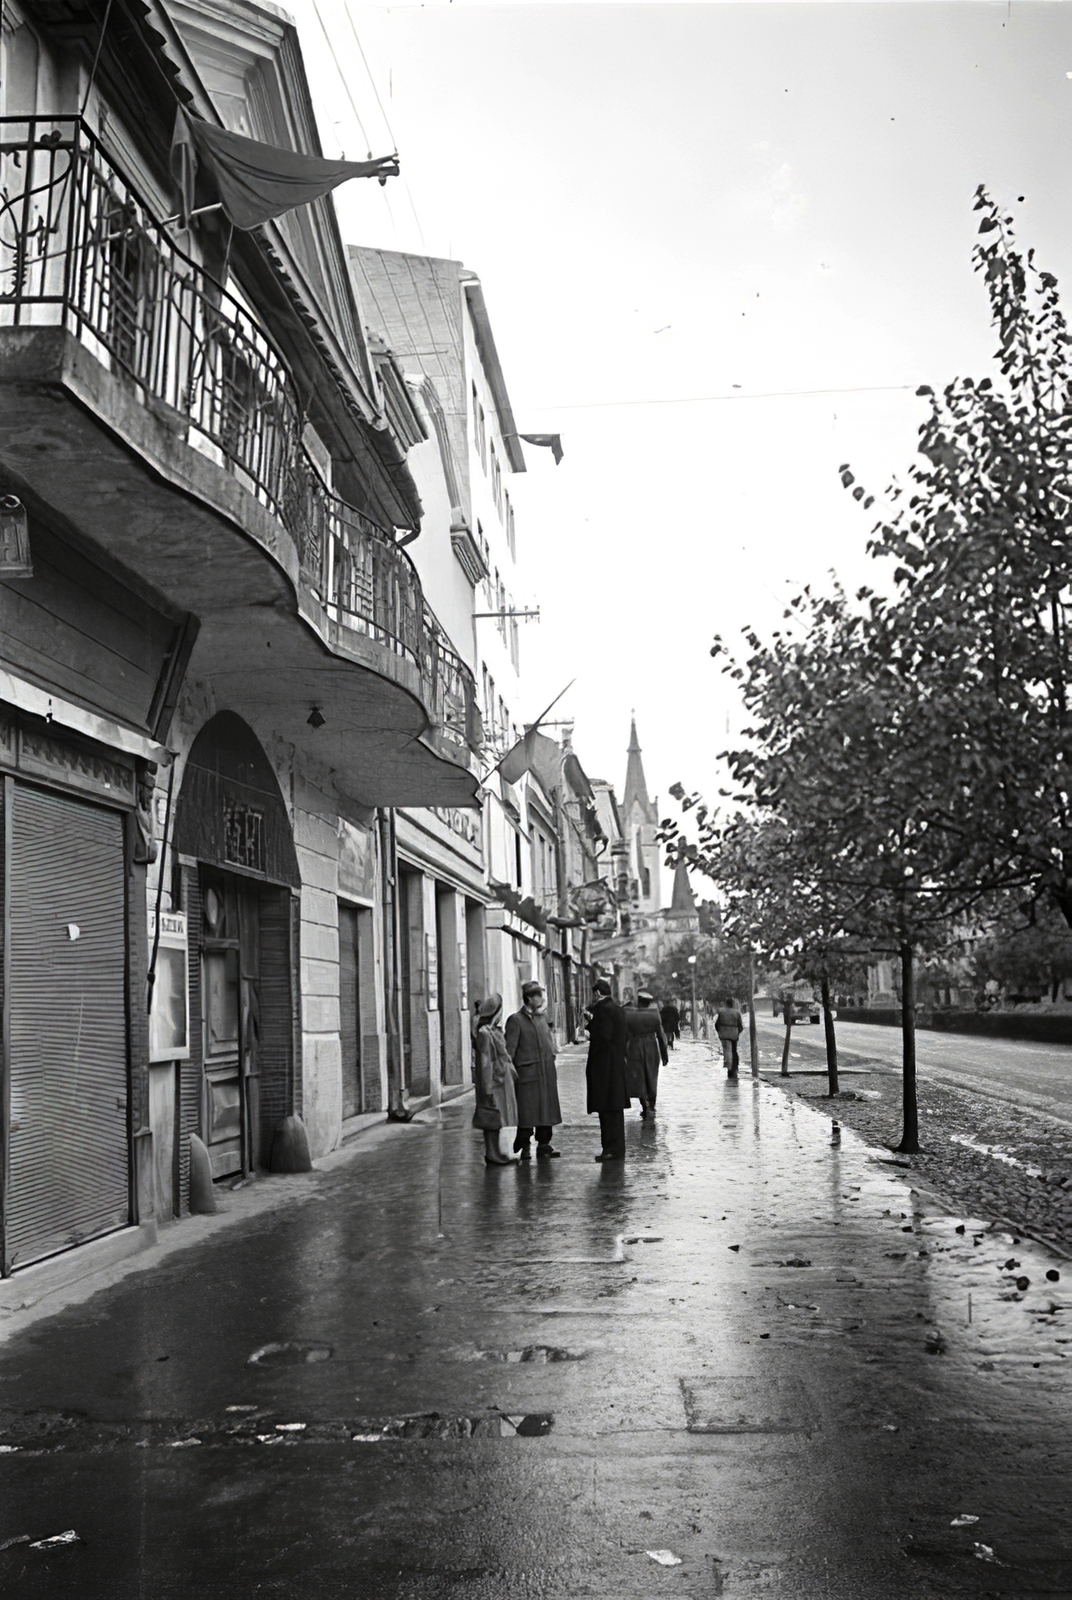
(645,1052)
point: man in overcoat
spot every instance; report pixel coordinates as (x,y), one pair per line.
(645,1051)
(605,1070)
(532,1050)
(670,1017)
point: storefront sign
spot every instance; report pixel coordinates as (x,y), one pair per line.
(169,1014)
(45,756)
(357,861)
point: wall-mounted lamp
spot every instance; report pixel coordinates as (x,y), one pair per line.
(316,718)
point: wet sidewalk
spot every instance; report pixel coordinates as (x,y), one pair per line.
(745,1363)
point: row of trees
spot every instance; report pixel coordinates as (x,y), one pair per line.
(907,774)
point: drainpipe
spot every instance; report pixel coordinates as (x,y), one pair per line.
(392,987)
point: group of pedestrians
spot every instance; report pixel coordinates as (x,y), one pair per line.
(516,1077)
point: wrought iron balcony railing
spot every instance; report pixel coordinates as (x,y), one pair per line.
(81,249)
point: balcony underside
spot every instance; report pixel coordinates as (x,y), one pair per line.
(78,440)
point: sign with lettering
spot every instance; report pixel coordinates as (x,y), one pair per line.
(169,1010)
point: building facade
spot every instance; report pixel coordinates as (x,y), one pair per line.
(272,820)
(218,668)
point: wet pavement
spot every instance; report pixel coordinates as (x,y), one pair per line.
(747,1362)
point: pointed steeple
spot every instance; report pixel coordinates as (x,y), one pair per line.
(636,786)
(683,903)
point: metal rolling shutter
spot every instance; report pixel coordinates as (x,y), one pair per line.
(68,1061)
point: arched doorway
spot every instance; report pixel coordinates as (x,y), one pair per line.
(238,873)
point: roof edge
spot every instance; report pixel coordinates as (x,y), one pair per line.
(489,355)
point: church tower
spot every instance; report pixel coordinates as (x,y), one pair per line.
(639,825)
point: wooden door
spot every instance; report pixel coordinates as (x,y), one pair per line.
(231,1019)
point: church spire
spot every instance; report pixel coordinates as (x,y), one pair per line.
(636,786)
(683,903)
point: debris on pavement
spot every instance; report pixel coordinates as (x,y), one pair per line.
(9,1544)
(665,1558)
(984,1552)
(56,1541)
(289,1354)
(963,1521)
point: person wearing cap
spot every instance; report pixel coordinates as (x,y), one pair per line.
(605,1070)
(496,1098)
(729,1025)
(645,1052)
(531,1046)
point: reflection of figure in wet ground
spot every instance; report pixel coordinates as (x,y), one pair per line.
(670,1017)
(605,1070)
(729,1025)
(496,1102)
(645,1051)
(532,1049)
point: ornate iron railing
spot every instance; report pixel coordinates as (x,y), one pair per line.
(81,249)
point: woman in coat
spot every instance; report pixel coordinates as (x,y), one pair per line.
(645,1052)
(496,1099)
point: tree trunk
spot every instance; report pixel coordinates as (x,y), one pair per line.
(753,1042)
(831,1040)
(909,1144)
(788,1038)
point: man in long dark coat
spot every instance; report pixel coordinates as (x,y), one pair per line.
(670,1017)
(645,1051)
(605,1070)
(532,1050)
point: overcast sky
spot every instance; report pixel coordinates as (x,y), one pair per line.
(671,202)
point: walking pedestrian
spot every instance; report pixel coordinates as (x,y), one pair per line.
(729,1025)
(605,1070)
(496,1101)
(670,1017)
(531,1045)
(645,1051)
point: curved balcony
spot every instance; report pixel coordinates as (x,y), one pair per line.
(83,259)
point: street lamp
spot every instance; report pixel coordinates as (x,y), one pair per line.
(692,974)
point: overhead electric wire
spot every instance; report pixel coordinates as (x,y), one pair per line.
(343,79)
(706,399)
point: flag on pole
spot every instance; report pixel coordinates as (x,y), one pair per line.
(519,758)
(550,441)
(256,181)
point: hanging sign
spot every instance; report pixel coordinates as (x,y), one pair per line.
(169,1016)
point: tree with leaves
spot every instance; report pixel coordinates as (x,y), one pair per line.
(917,745)
(982,546)
(847,769)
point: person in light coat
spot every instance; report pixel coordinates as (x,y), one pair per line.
(495,1079)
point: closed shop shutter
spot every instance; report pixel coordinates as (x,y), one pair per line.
(68,1178)
(349,1037)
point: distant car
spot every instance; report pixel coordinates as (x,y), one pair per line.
(803,1010)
